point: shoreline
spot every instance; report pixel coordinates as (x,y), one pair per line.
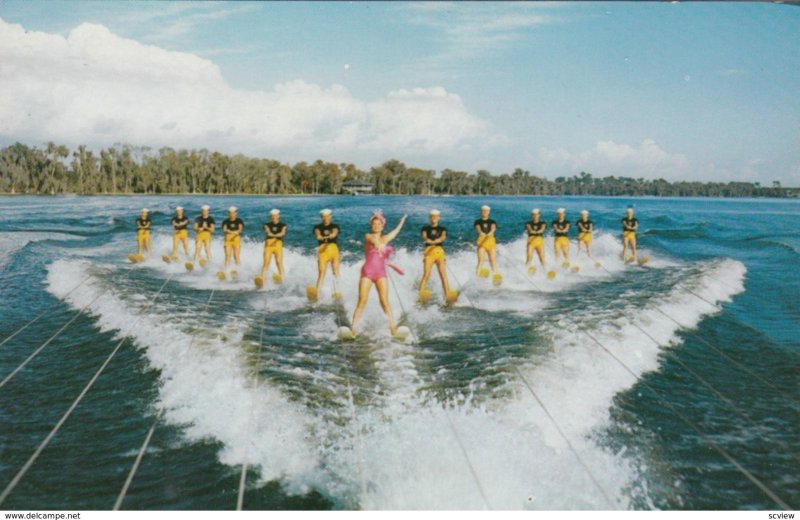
(794,196)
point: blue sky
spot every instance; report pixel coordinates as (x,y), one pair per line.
(683,91)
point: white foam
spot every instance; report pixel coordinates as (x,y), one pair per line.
(205,380)
(404,449)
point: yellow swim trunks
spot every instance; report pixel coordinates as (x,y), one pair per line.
(328,253)
(232,240)
(487,243)
(204,236)
(434,253)
(562,242)
(585,237)
(182,233)
(629,234)
(273,245)
(142,234)
(536,241)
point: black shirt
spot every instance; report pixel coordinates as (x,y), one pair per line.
(275,229)
(325,232)
(584,225)
(561,229)
(143,223)
(485,225)
(232,225)
(535,229)
(206,222)
(434,232)
(180,223)
(629,223)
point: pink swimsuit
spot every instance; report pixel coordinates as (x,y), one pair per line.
(374,266)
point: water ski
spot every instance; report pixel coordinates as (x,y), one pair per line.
(630,260)
(643,260)
(345,333)
(203,262)
(425,295)
(278,279)
(551,274)
(531,270)
(565,264)
(576,268)
(483,272)
(402,333)
(234,274)
(311,293)
(221,275)
(135,258)
(452,296)
(598,265)
(189,266)
(259,281)
(337,296)
(166,258)
(497,279)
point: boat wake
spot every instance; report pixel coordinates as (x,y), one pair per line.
(451,422)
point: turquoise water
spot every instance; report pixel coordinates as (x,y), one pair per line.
(640,370)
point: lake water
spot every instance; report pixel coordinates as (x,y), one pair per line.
(673,386)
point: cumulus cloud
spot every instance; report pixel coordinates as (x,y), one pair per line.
(647,160)
(95,87)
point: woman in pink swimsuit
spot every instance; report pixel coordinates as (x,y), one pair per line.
(378,252)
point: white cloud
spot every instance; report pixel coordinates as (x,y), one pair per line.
(468,30)
(97,88)
(188,22)
(647,160)
(730,72)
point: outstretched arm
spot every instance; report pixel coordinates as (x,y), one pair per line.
(396,231)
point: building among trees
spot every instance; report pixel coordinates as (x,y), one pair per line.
(357,187)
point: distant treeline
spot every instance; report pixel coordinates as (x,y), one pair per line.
(124,169)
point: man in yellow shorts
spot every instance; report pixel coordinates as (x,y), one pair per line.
(585,230)
(180,224)
(204,227)
(143,224)
(629,227)
(535,229)
(434,236)
(561,233)
(486,227)
(233,227)
(275,231)
(328,252)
